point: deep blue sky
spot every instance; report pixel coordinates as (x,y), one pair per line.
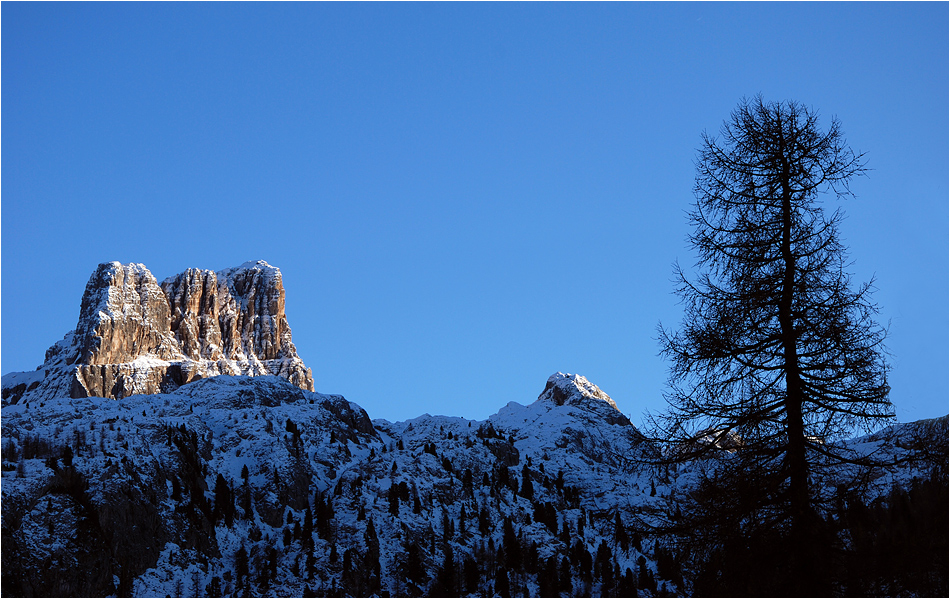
(463,198)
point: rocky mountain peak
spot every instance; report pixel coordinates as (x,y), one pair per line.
(135,335)
(573,389)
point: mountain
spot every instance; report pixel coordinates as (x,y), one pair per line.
(135,336)
(137,494)
(177,482)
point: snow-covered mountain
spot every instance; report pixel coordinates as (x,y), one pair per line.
(151,493)
(258,486)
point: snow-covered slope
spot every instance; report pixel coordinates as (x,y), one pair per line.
(240,485)
(137,472)
(144,482)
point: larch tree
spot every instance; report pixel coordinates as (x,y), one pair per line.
(779,357)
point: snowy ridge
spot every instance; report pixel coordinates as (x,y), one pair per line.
(412,479)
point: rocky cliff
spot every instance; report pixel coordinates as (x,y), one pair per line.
(137,336)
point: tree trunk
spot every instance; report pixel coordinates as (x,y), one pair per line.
(796,461)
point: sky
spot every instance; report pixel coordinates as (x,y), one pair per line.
(463,198)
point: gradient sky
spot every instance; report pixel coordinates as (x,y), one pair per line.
(463,198)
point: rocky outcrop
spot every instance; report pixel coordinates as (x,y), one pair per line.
(135,336)
(573,389)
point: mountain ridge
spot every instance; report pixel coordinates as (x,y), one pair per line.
(158,476)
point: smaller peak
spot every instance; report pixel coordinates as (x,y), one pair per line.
(563,388)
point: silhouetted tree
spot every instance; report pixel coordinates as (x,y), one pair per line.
(603,568)
(393,497)
(667,565)
(527,487)
(899,542)
(223,501)
(307,532)
(620,533)
(371,559)
(470,575)
(547,578)
(484,524)
(777,358)
(627,587)
(511,545)
(585,562)
(645,577)
(446,581)
(564,578)
(213,589)
(414,567)
(502,585)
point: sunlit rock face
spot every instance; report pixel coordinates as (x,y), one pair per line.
(124,314)
(193,303)
(137,336)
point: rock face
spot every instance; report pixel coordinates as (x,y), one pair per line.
(135,336)
(124,314)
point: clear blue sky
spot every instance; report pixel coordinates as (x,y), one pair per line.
(463,198)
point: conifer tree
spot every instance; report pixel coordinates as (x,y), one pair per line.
(241,570)
(414,567)
(564,577)
(620,533)
(371,559)
(446,582)
(778,358)
(502,584)
(527,487)
(511,545)
(470,574)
